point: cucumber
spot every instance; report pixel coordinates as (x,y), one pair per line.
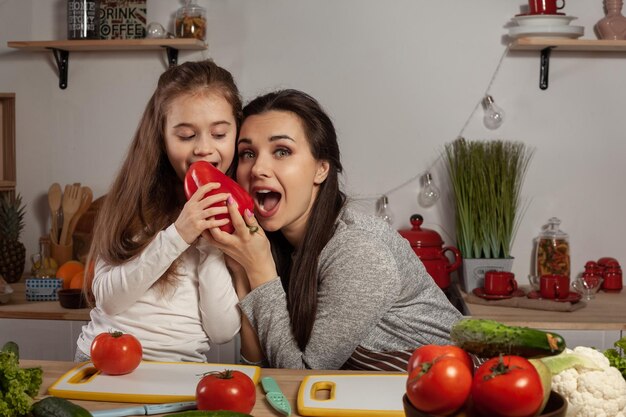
(58,407)
(199,413)
(489,338)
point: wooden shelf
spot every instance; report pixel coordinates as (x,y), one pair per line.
(7,142)
(62,48)
(6,185)
(562,44)
(110,45)
(546,45)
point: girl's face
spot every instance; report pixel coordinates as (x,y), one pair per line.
(278,170)
(200,127)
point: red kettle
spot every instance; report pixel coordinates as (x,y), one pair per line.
(428,246)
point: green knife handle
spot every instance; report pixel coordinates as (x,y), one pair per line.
(269,384)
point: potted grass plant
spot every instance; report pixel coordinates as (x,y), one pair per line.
(486,180)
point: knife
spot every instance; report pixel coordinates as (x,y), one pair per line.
(275,396)
(146,410)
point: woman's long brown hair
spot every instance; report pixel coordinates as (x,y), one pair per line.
(147,195)
(299,273)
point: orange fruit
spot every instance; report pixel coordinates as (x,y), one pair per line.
(67,271)
(77,280)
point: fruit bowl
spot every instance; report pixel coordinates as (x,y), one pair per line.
(555,407)
(72,298)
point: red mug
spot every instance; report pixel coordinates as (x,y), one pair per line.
(544,6)
(554,286)
(499,283)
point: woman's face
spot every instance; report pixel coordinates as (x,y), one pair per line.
(200,127)
(278,170)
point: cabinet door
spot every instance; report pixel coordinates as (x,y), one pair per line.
(55,340)
(42,339)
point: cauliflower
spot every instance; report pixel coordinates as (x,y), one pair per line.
(599,392)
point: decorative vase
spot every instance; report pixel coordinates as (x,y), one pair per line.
(473,270)
(613,26)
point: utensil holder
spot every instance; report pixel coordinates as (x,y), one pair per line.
(62,253)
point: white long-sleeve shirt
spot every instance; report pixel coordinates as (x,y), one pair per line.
(172,324)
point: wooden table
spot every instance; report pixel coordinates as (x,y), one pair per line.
(288,380)
(607,311)
(19,308)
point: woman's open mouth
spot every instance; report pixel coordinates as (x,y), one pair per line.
(267,202)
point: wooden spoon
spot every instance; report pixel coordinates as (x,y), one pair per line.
(71,203)
(86,197)
(54,201)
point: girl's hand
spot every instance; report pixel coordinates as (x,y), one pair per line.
(247,245)
(197,215)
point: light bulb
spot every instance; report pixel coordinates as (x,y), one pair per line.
(429,194)
(156,31)
(494,115)
(382,209)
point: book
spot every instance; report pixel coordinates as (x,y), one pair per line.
(122,19)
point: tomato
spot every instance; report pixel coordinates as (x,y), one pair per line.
(439,387)
(227,390)
(427,353)
(202,172)
(116,353)
(507,386)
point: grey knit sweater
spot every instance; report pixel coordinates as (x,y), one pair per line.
(373,292)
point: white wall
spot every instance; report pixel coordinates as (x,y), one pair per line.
(400,78)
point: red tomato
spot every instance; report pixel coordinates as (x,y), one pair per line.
(202,172)
(507,386)
(428,353)
(227,390)
(116,353)
(439,387)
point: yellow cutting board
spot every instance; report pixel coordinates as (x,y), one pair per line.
(150,383)
(362,395)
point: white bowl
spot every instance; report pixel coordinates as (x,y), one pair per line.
(6,295)
(543,20)
(558,31)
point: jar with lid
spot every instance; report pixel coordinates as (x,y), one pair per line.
(552,251)
(191,21)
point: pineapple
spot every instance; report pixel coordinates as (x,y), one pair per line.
(12,251)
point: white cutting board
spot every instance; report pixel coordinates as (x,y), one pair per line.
(362,395)
(150,383)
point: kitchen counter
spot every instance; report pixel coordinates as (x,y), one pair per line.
(19,308)
(288,380)
(607,311)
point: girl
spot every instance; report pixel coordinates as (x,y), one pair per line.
(323,286)
(155,276)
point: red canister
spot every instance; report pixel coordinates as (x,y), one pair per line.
(428,246)
(612,278)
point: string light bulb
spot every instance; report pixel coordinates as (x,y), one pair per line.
(382,209)
(494,115)
(429,194)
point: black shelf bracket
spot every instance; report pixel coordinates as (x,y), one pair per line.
(63,60)
(172,56)
(544,67)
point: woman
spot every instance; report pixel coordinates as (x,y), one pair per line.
(155,276)
(351,293)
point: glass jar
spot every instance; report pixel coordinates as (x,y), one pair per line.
(191,22)
(83,19)
(44,266)
(552,251)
